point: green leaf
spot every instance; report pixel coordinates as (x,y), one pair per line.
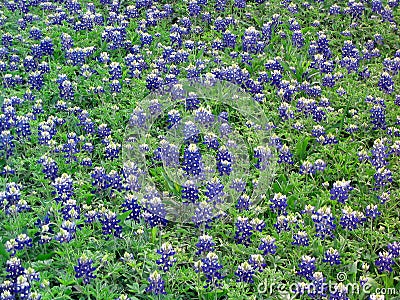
(134,287)
(66,282)
(45,256)
(301,147)
(124,215)
(3,253)
(154,234)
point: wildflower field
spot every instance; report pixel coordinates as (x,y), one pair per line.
(199,149)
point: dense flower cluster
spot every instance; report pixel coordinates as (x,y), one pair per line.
(326,167)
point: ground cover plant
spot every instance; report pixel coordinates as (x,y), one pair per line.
(200,149)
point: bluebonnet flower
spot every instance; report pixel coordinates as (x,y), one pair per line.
(307,168)
(205,244)
(318,286)
(351,219)
(88,147)
(319,165)
(352,128)
(131,204)
(192,102)
(155,107)
(66,41)
(328,80)
(11,196)
(339,292)
(382,177)
(327,139)
(103,131)
(114,182)
(203,214)
(64,188)
(91,215)
(110,223)
(384,197)
(224,130)
(9,81)
(174,118)
(371,211)
(211,141)
(378,118)
(7,143)
(167,259)
(7,170)
(47,47)
(282,223)
(67,232)
(146,39)
(37,109)
(30,64)
(23,241)
(238,184)
(394,249)
(267,245)
(204,117)
(156,284)
(210,267)
(298,39)
(284,109)
(100,179)
(257,224)
(378,39)
(386,83)
(154,210)
(285,156)
(244,230)
(85,269)
(23,127)
(375,296)
(307,267)
(191,132)
(14,269)
(224,161)
(168,153)
(66,90)
(194,8)
(379,154)
(115,86)
(332,257)
(229,39)
(257,262)
(190,192)
(243,203)
(112,150)
(115,71)
(300,239)
(193,164)
(214,190)
(384,262)
(245,273)
(35,80)
(324,222)
(70,148)
(340,191)
(7,40)
(31,274)
(397,100)
(279,204)
(45,229)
